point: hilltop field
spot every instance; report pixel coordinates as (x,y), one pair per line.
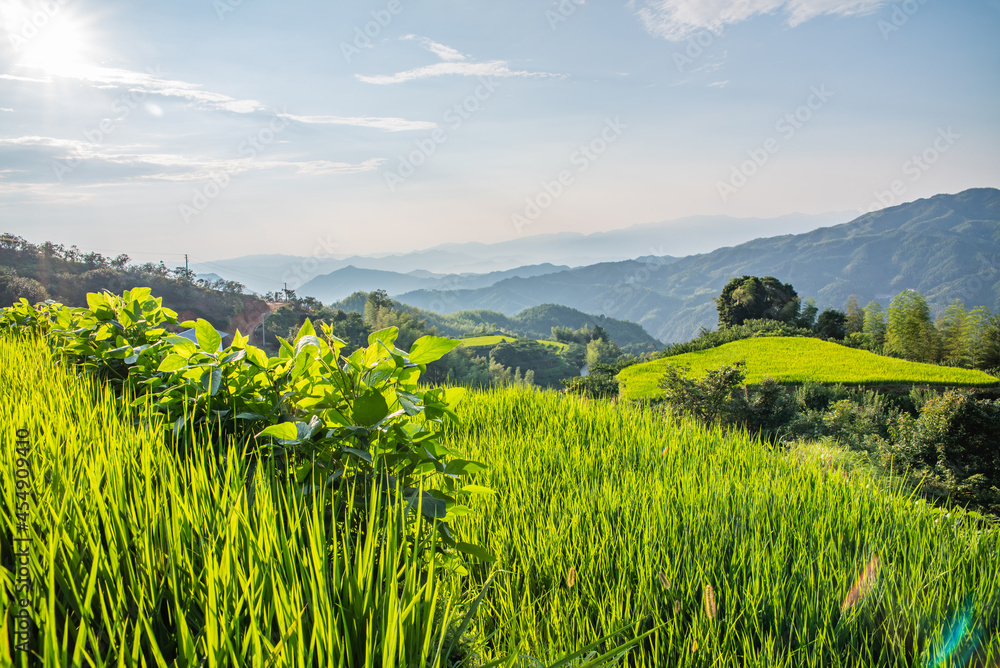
(795,360)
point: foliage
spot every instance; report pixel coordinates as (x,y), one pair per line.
(602,351)
(546,365)
(623,518)
(710,400)
(753,298)
(831,324)
(13,288)
(954,441)
(874,327)
(340,421)
(910,334)
(148,553)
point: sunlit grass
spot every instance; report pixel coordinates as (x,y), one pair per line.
(480,341)
(142,555)
(607,515)
(797,360)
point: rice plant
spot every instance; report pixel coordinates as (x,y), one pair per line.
(733,553)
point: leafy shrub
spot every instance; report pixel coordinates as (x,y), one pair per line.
(766,408)
(338,422)
(813,396)
(13,288)
(954,441)
(709,399)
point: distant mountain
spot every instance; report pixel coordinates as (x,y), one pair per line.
(685,236)
(947,247)
(341,283)
(533,323)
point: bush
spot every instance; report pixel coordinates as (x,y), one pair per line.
(954,442)
(766,408)
(13,288)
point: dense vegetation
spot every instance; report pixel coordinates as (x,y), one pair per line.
(242,509)
(736,553)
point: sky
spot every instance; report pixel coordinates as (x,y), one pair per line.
(223,128)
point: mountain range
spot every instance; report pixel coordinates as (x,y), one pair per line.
(695,234)
(946,247)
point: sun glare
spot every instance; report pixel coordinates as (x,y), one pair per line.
(59,48)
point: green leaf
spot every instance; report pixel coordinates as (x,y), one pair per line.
(476,551)
(429,349)
(172,363)
(286,431)
(478,489)
(387,336)
(370,408)
(360,454)
(209,340)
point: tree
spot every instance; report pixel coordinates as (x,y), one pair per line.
(874,326)
(975,337)
(950,325)
(602,351)
(909,333)
(832,324)
(752,298)
(807,316)
(855,316)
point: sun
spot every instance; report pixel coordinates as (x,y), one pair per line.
(61,47)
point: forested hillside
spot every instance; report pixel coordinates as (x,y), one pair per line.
(946,247)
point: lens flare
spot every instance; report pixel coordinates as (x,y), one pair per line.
(861,586)
(951,637)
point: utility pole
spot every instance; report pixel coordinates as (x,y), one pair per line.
(286,292)
(187,273)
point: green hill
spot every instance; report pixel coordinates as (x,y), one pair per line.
(490,341)
(796,360)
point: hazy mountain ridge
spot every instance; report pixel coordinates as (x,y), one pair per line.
(677,238)
(946,247)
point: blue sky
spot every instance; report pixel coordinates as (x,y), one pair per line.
(228,127)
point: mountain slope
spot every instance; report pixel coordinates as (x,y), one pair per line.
(947,247)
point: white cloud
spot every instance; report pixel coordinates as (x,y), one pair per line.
(493,68)
(440,50)
(454,63)
(147,166)
(679,19)
(7,109)
(718,84)
(388,124)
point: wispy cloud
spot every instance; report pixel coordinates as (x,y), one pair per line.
(455,63)
(7,109)
(389,124)
(440,50)
(144,165)
(718,84)
(679,19)
(493,68)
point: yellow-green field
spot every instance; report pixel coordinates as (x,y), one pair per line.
(796,360)
(480,341)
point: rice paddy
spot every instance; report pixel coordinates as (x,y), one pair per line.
(605,518)
(796,360)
